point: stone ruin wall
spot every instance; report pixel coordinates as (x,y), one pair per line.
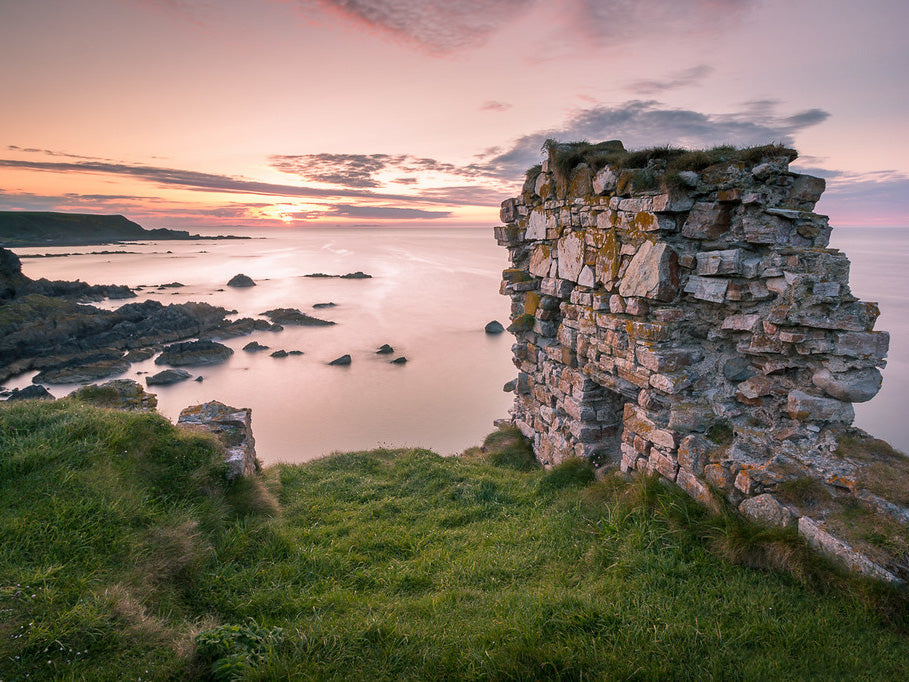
(703,333)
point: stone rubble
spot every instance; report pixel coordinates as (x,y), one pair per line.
(692,325)
(230,425)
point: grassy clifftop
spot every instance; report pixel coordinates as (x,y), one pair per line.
(35,228)
(127,556)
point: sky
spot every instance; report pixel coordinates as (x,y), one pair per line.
(206,113)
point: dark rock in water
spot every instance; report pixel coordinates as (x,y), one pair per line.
(194,354)
(241,327)
(171,285)
(279,354)
(120,394)
(510,386)
(295,352)
(494,327)
(240,281)
(343,360)
(35,327)
(399,361)
(76,291)
(294,316)
(254,346)
(385,349)
(82,372)
(139,354)
(230,425)
(199,379)
(168,376)
(13,283)
(349,275)
(34,392)
(324,305)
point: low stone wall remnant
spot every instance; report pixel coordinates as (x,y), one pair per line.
(679,314)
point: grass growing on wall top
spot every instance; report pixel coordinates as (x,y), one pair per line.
(565,156)
(126,556)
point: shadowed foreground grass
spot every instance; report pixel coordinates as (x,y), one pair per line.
(126,556)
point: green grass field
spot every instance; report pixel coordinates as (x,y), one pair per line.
(125,555)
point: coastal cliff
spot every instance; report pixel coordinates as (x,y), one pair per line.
(678,313)
(39,228)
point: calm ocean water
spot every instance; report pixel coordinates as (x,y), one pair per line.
(431,294)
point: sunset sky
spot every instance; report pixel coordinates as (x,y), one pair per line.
(183,113)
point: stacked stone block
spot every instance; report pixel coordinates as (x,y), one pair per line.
(690,323)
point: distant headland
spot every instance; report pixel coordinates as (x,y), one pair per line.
(42,228)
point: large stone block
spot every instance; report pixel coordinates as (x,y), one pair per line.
(540,260)
(653,273)
(727,262)
(711,289)
(232,426)
(707,220)
(805,407)
(538,222)
(571,255)
(854,386)
(767,509)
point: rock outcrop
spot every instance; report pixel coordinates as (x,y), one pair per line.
(119,394)
(194,354)
(240,280)
(679,314)
(230,425)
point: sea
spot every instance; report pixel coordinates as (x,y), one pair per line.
(431,293)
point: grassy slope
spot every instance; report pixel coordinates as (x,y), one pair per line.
(121,544)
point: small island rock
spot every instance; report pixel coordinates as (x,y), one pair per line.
(494,327)
(33,392)
(343,360)
(194,354)
(385,349)
(254,346)
(167,377)
(240,281)
(399,361)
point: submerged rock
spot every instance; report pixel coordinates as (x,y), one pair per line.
(385,349)
(279,354)
(399,361)
(324,305)
(494,327)
(294,316)
(240,280)
(167,377)
(194,354)
(254,346)
(343,360)
(232,426)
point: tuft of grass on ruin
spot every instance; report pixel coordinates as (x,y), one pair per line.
(127,555)
(565,156)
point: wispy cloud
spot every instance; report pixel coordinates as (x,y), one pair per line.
(676,80)
(494,105)
(199,181)
(438,26)
(445,26)
(386,212)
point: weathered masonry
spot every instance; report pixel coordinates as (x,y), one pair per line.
(679,313)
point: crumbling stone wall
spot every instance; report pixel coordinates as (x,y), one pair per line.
(688,323)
